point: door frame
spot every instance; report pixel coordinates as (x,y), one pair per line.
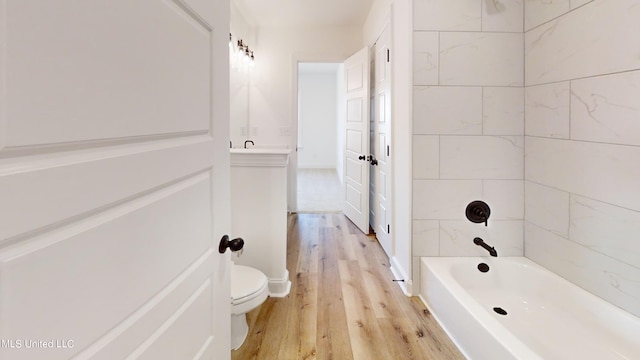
(386,26)
(293,157)
(402,139)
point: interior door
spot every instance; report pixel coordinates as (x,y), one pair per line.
(356,166)
(114,179)
(381,149)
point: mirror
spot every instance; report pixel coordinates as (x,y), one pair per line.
(239,78)
(239,106)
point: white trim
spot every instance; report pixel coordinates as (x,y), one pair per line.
(84,154)
(259,157)
(280,287)
(162,330)
(400,274)
(402,136)
(144,311)
(292,178)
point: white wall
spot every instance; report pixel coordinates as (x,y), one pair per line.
(398,12)
(317,125)
(272,107)
(239,81)
(402,128)
(265,98)
(583,144)
(273,93)
(580,136)
(572,176)
(376,19)
(468,126)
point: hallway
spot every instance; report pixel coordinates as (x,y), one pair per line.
(319,190)
(343,303)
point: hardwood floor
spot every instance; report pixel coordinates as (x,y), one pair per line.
(343,303)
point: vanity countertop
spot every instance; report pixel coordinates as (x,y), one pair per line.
(277,151)
(260,157)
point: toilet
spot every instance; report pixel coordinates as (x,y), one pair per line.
(249,289)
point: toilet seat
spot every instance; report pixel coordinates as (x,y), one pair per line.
(249,288)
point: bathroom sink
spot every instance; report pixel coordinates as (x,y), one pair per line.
(275,151)
(260,157)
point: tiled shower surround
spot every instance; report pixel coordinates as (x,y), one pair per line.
(534,107)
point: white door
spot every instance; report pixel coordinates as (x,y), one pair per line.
(356,139)
(113,179)
(381,148)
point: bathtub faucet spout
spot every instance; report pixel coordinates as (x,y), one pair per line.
(492,251)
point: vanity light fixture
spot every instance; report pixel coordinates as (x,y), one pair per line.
(232,53)
(240,56)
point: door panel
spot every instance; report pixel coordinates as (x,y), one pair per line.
(354,140)
(130,95)
(188,332)
(355,76)
(120,341)
(354,171)
(356,175)
(354,110)
(382,150)
(354,195)
(139,236)
(51,190)
(113,149)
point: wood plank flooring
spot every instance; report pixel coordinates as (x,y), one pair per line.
(343,304)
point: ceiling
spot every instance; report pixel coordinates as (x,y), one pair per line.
(304,13)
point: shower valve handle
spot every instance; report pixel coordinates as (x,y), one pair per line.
(478,212)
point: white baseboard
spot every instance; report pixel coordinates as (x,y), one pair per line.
(400,274)
(280,287)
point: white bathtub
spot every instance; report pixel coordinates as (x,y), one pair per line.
(547,316)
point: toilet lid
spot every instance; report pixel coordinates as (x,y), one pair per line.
(246,281)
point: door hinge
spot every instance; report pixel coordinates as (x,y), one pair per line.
(387,150)
(388,228)
(388,55)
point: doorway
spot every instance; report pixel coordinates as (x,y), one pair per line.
(320,149)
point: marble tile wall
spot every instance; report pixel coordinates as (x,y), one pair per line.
(532,106)
(582,144)
(468,125)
